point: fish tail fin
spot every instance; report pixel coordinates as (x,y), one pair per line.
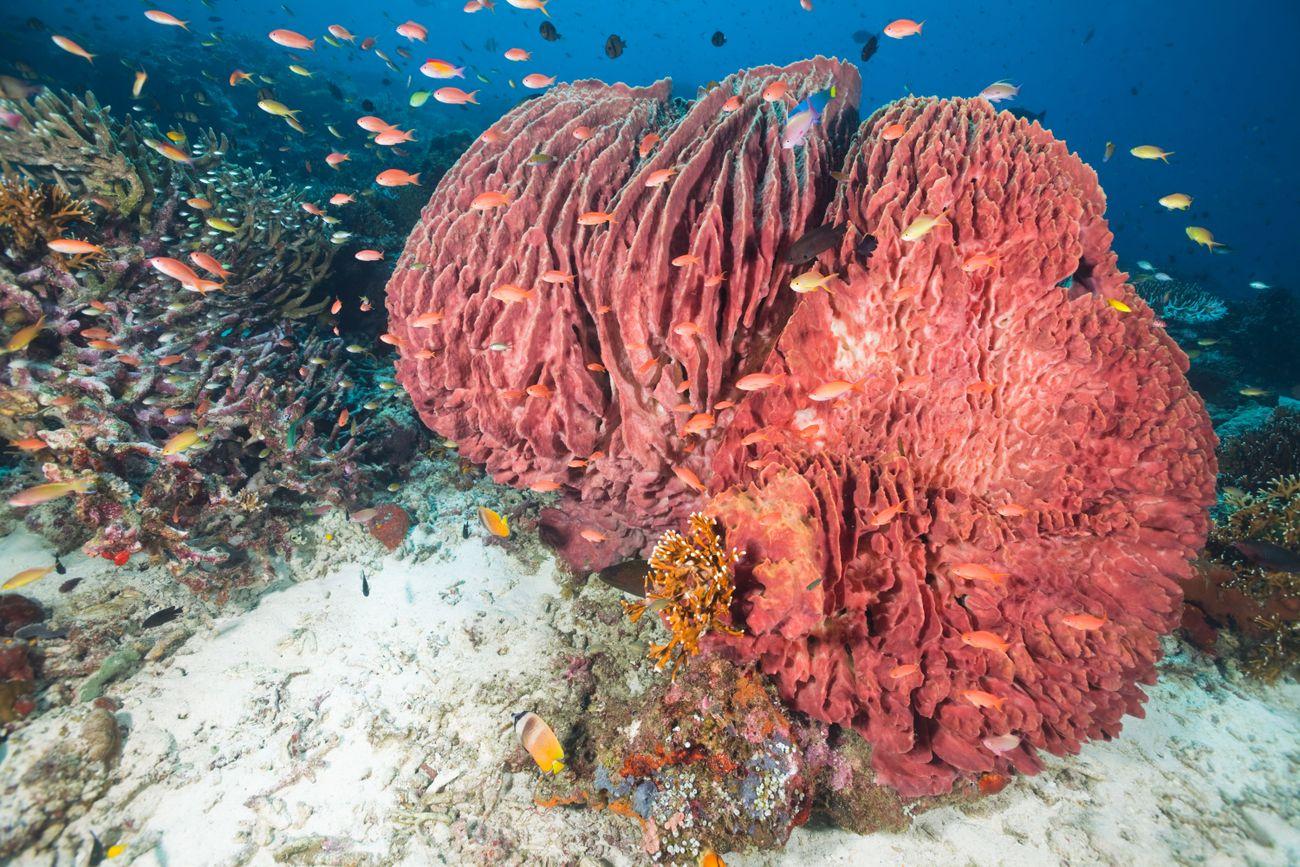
(311,44)
(919,26)
(541,5)
(415,179)
(470,98)
(1164,157)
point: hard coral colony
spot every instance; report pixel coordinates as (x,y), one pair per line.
(966,493)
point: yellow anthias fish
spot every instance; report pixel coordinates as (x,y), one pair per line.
(1254,391)
(419,98)
(1151,152)
(176,136)
(1176,201)
(34,496)
(222,225)
(495,523)
(279,109)
(1203,236)
(115,850)
(181,441)
(921,226)
(25,577)
(1119,305)
(24,336)
(293,122)
(140,78)
(299,70)
(540,741)
(811,281)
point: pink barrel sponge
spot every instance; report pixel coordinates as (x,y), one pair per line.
(646,320)
(972,554)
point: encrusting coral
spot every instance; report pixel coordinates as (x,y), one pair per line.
(209,419)
(967,482)
(1182,302)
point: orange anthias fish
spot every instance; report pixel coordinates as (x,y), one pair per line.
(885,515)
(510,293)
(647,144)
(1085,622)
(984,640)
(209,264)
(159,17)
(979,572)
(775,91)
(427,319)
(594,218)
(554,276)
(834,389)
(659,177)
(290,39)
(73,247)
(901,671)
(732,104)
(903,28)
(758,381)
(980,698)
(490,199)
(688,477)
(893,132)
(980,262)
(73,48)
(536,81)
(495,523)
(698,424)
(239,75)
(397,178)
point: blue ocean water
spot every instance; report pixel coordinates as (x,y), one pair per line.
(1210,81)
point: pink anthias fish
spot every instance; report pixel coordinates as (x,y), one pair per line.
(1000,91)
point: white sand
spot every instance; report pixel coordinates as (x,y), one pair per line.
(302,724)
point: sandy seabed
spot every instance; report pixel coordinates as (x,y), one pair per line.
(318,725)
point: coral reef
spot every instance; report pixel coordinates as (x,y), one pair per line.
(1248,579)
(32,215)
(967,481)
(1181,302)
(594,377)
(207,415)
(1260,455)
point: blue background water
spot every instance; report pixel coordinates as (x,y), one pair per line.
(1217,83)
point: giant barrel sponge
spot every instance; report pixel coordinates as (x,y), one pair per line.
(969,552)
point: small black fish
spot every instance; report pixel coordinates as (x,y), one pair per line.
(464,530)
(628,576)
(158,618)
(367,105)
(614,46)
(365,585)
(35,24)
(335,90)
(813,243)
(865,247)
(59,568)
(69,585)
(869,48)
(719,38)
(1272,557)
(548,31)
(813,585)
(39,630)
(1091,32)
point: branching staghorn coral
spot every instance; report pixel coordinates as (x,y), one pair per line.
(33,214)
(1183,302)
(690,586)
